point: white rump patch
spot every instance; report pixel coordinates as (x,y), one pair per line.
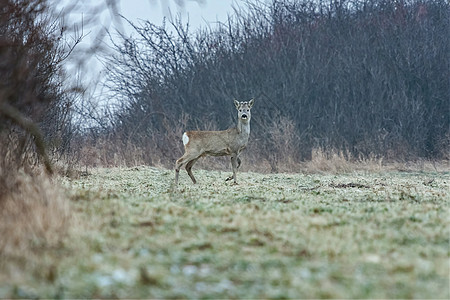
(185,139)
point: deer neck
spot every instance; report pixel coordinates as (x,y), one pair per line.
(243,128)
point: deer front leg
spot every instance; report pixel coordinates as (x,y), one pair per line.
(238,162)
(234,164)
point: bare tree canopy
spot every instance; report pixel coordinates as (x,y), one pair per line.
(368,77)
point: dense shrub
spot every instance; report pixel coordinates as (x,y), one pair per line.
(34,113)
(363,77)
(35,108)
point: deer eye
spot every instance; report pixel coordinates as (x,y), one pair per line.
(240,110)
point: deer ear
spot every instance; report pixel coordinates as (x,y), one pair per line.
(251,102)
(236,103)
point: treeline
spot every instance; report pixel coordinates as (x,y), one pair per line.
(363,77)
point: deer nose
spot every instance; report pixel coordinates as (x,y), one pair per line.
(244,116)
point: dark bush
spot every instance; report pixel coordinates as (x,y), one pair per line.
(364,77)
(35,99)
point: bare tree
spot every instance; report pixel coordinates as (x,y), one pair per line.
(368,77)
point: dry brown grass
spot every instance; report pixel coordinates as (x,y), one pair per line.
(34,220)
(335,162)
(286,159)
(279,151)
(33,211)
(111,153)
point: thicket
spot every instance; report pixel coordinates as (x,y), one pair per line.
(367,78)
(35,126)
(35,106)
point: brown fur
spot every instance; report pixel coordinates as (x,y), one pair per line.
(228,142)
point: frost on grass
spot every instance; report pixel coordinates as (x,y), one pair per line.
(356,235)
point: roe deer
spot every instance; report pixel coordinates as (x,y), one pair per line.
(217,143)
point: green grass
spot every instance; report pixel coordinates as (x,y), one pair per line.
(133,234)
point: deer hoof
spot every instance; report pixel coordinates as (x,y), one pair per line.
(229,178)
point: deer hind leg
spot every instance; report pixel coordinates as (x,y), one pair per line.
(178,165)
(185,159)
(189,169)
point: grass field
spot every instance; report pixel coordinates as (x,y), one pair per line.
(133,234)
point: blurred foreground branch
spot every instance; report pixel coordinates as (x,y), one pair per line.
(31,128)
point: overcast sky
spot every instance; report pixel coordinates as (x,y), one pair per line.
(96,16)
(197,12)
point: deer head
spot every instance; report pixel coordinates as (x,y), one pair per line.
(243,109)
